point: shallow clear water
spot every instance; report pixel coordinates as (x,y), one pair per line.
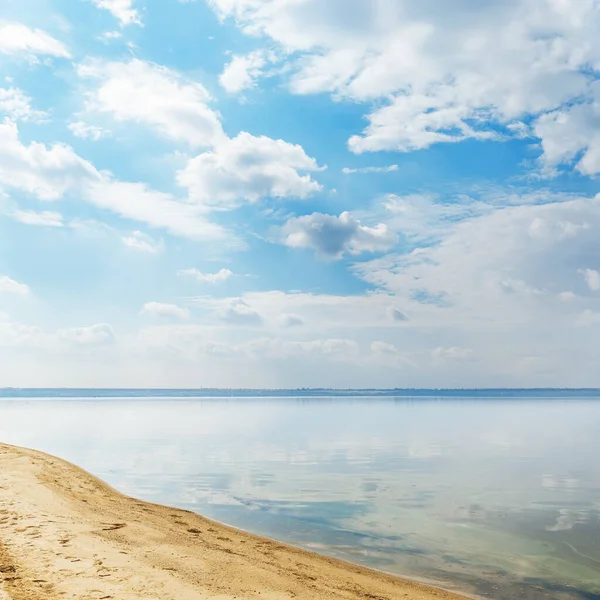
(499,498)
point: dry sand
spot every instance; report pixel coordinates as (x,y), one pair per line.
(66,534)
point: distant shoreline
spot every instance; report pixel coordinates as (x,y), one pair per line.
(507,393)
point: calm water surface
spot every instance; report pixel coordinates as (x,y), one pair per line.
(496,498)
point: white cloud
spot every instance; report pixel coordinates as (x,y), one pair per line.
(97,335)
(240,73)
(219,277)
(159,210)
(108,36)
(49,173)
(15,104)
(317,312)
(331,236)
(44,218)
(383,348)
(389,169)
(572,136)
(16,38)
(452,353)
(592,278)
(153,95)
(121,9)
(330,349)
(493,268)
(86,131)
(143,242)
(162,310)
(46,172)
(249,168)
(10,286)
(238,312)
(439,72)
(290,320)
(31,340)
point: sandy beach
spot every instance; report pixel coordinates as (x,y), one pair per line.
(66,534)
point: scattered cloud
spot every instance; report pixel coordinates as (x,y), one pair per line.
(248,168)
(162,310)
(238,312)
(150,94)
(10,286)
(109,36)
(389,169)
(332,237)
(121,9)
(219,277)
(20,40)
(16,105)
(143,242)
(159,210)
(441,74)
(86,131)
(45,172)
(241,72)
(571,136)
(49,173)
(453,353)
(44,218)
(493,267)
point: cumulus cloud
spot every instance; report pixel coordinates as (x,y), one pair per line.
(248,168)
(238,312)
(18,39)
(439,73)
(121,9)
(49,173)
(241,72)
(571,136)
(143,92)
(10,286)
(46,172)
(219,277)
(87,132)
(143,242)
(332,237)
(162,310)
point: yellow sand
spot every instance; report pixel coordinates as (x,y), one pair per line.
(66,534)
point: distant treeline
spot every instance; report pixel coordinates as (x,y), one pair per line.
(302,393)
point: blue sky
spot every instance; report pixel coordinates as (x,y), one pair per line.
(278,193)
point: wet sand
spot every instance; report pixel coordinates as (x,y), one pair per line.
(65,534)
